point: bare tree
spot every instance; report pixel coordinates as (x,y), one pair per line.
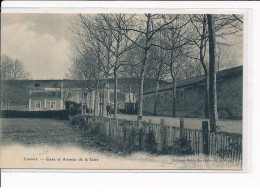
(13,69)
(158,40)
(226,28)
(149,26)
(87,47)
(102,27)
(85,72)
(121,45)
(199,23)
(159,71)
(174,39)
(65,95)
(226,59)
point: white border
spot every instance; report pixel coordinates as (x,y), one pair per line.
(246,133)
(247,92)
(115,9)
(232,179)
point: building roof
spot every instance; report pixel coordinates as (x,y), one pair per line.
(45,94)
(227,73)
(125,85)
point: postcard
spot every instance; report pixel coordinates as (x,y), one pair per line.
(122,90)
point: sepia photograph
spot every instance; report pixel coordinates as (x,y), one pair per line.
(122,91)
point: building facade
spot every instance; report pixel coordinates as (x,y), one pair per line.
(44,96)
(190,96)
(45,100)
(96,101)
(15,94)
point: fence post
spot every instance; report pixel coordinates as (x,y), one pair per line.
(150,124)
(141,134)
(163,135)
(205,139)
(85,124)
(107,128)
(139,124)
(181,128)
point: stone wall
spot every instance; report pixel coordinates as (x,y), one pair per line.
(190,100)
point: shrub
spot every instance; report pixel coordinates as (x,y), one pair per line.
(76,120)
(72,108)
(228,152)
(180,146)
(149,143)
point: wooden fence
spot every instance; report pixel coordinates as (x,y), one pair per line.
(130,135)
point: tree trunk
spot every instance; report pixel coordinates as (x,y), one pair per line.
(103,99)
(64,105)
(115,94)
(156,97)
(206,111)
(130,87)
(86,101)
(90,103)
(95,101)
(202,56)
(142,74)
(174,99)
(103,102)
(100,103)
(213,116)
(141,93)
(141,88)
(82,100)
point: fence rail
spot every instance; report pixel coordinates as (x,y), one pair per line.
(129,134)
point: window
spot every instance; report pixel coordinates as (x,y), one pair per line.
(53,105)
(37,105)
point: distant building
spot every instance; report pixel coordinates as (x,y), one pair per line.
(130,98)
(45,99)
(190,96)
(52,95)
(15,94)
(97,100)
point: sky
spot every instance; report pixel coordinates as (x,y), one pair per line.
(42,42)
